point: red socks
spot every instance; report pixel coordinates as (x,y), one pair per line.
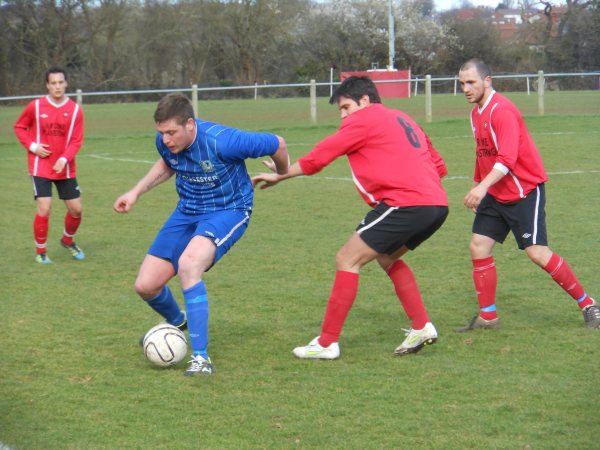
(71,226)
(40,232)
(345,287)
(484,277)
(485,280)
(562,273)
(344,292)
(407,291)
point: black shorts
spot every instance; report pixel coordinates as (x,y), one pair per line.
(67,189)
(387,229)
(525,218)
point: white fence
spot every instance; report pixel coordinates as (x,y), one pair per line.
(538,80)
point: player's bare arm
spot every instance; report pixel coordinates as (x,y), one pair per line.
(158,174)
(280,161)
(267,180)
(281,158)
(476,194)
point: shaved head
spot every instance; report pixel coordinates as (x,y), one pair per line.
(479,65)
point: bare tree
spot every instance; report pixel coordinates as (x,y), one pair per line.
(140,44)
(40,33)
(351,34)
(105,26)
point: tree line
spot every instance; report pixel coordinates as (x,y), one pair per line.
(150,44)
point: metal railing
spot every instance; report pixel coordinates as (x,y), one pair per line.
(427,80)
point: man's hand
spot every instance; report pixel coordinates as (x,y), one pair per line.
(479,189)
(40,150)
(474,197)
(271,179)
(266,180)
(59,165)
(125,202)
(269,164)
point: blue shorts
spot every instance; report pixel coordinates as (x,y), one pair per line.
(224,228)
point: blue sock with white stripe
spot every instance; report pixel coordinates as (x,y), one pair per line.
(165,305)
(196,305)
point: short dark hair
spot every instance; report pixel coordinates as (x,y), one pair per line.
(355,87)
(174,106)
(482,68)
(56,69)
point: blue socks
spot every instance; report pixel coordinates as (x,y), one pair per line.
(196,305)
(165,305)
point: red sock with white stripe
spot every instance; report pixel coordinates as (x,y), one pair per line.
(407,290)
(40,232)
(485,280)
(343,293)
(563,275)
(71,225)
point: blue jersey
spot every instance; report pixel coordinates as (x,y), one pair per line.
(211,173)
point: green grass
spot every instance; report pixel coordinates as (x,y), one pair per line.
(73,377)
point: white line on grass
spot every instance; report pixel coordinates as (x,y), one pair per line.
(106,158)
(549,133)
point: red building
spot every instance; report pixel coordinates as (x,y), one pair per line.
(386,89)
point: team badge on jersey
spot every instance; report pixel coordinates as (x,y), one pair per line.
(207,166)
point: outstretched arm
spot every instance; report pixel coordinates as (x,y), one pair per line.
(158,174)
(271,179)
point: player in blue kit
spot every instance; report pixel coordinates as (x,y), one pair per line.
(214,208)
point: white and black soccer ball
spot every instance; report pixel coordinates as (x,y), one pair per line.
(164,345)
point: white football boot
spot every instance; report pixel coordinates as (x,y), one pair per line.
(314,350)
(200,366)
(417,339)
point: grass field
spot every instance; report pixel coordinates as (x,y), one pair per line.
(73,377)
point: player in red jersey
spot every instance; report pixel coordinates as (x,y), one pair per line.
(397,172)
(51,129)
(508,195)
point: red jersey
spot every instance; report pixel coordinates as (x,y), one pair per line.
(391,158)
(59,126)
(503,141)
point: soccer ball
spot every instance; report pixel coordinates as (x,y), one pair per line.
(164,345)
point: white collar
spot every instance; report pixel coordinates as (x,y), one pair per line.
(57,105)
(487,102)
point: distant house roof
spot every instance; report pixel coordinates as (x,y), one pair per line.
(510,22)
